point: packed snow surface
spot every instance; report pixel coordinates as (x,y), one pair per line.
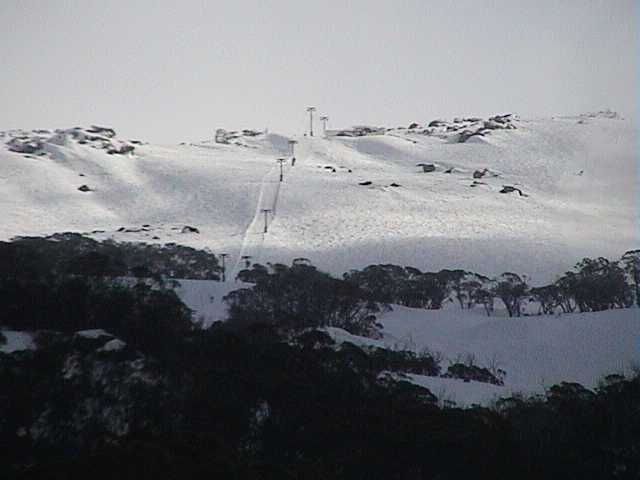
(535,351)
(16,341)
(577,176)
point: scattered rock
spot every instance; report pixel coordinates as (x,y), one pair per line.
(24,145)
(122,150)
(467,134)
(395,185)
(227,136)
(427,167)
(510,189)
(413,125)
(85,188)
(104,131)
(251,133)
(480,173)
(365,183)
(189,229)
(360,131)
(608,113)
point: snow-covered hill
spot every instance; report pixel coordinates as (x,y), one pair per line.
(577,176)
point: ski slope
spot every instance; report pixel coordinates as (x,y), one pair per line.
(580,178)
(535,351)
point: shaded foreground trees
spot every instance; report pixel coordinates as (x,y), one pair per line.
(300,296)
(242,404)
(248,399)
(41,291)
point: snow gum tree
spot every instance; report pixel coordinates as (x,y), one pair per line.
(631,264)
(512,290)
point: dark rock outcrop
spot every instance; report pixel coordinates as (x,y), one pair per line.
(24,145)
(427,167)
(475,373)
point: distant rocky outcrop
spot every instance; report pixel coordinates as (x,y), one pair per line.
(607,113)
(38,141)
(461,129)
(510,189)
(24,144)
(228,137)
(359,131)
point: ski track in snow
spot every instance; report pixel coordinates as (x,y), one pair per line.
(254,236)
(254,228)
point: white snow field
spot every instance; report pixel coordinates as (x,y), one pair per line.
(535,351)
(580,177)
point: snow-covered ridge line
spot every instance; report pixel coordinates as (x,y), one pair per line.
(404,197)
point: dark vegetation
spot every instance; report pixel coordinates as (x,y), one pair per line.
(593,285)
(73,253)
(300,296)
(265,395)
(250,405)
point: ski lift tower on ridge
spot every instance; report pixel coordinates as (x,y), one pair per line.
(311,110)
(324,119)
(292,146)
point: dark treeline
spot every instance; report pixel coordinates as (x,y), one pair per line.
(68,283)
(300,296)
(253,405)
(264,395)
(68,253)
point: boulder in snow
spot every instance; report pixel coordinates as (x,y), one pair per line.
(427,167)
(24,144)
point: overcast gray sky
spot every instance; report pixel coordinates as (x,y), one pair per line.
(176,70)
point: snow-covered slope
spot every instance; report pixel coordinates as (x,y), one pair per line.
(578,175)
(535,351)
